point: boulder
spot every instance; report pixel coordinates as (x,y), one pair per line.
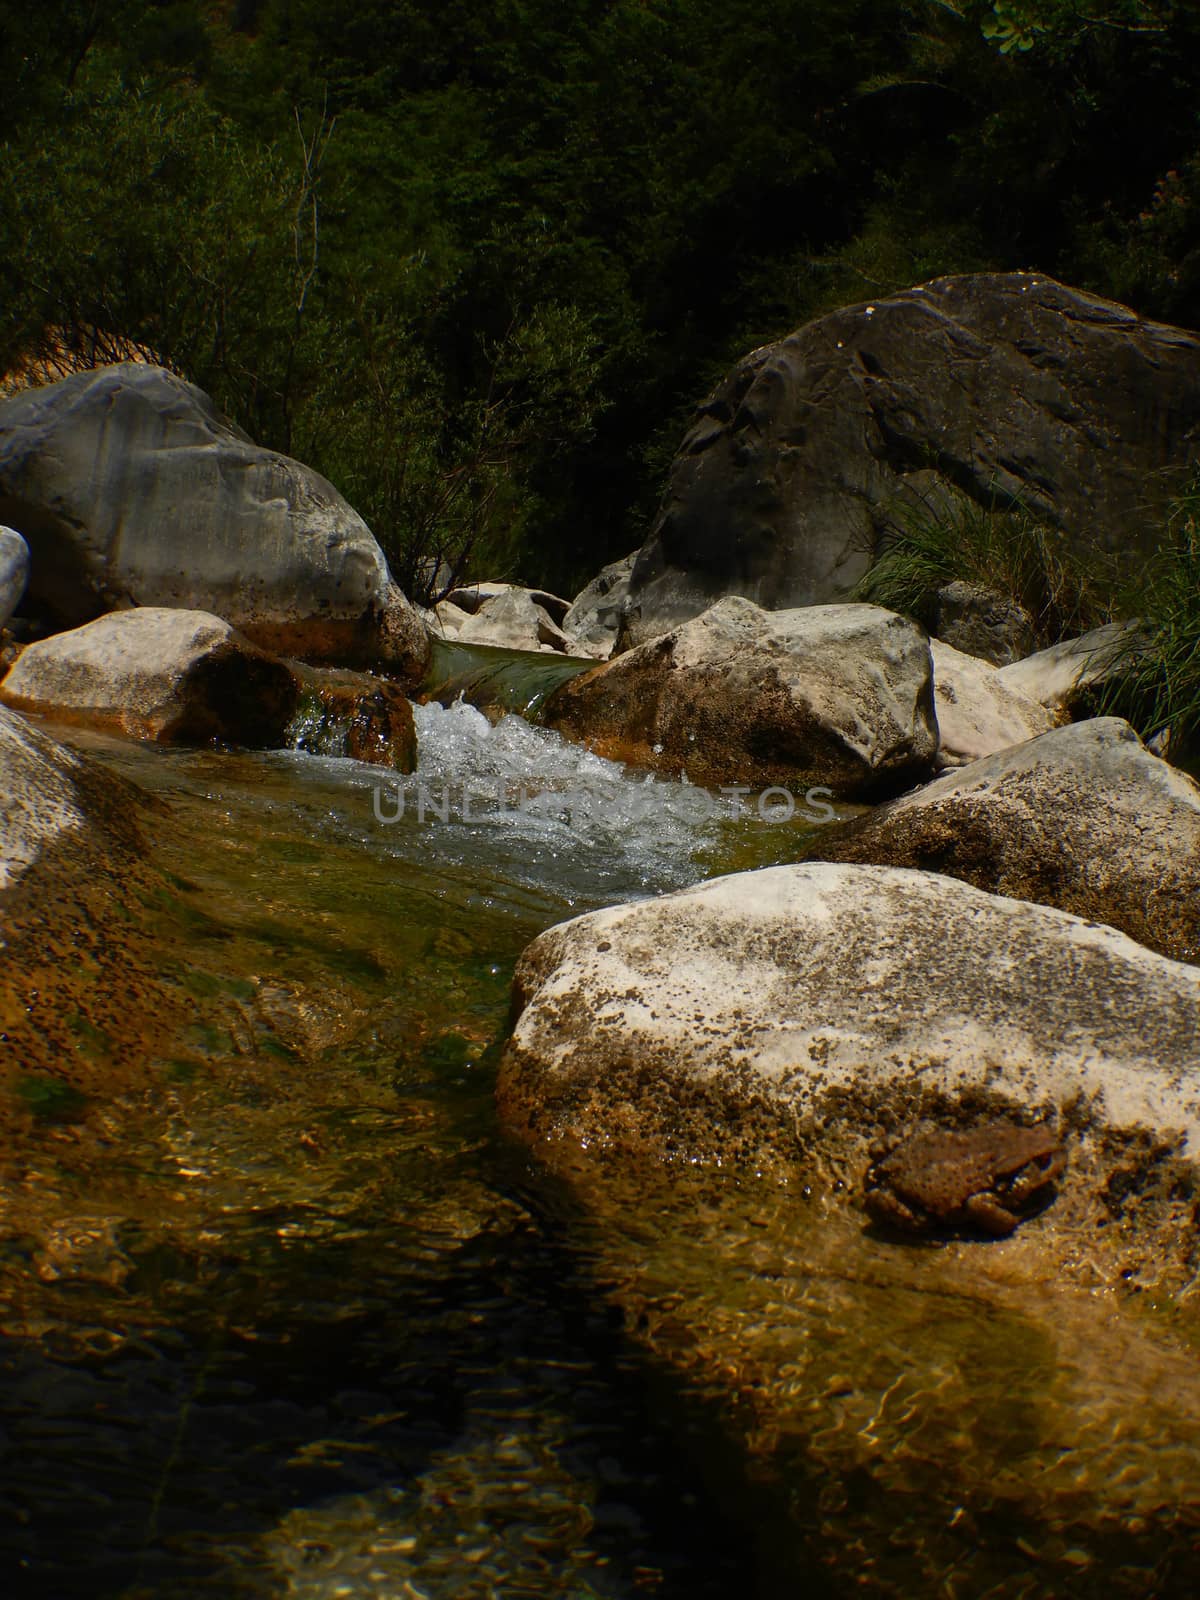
(1067,677)
(158,673)
(980,622)
(130,488)
(473,597)
(14,572)
(510,620)
(977,712)
(355,715)
(1014,388)
(594,619)
(1083,818)
(447,620)
(832,695)
(85,1001)
(781,1020)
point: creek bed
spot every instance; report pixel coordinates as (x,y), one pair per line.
(301,1321)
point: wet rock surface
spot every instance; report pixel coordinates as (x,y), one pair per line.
(1084,818)
(831,695)
(1007,385)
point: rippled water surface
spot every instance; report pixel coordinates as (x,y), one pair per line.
(301,1322)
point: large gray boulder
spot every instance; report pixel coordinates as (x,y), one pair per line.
(130,488)
(158,673)
(1083,818)
(840,696)
(783,1019)
(1012,387)
(14,572)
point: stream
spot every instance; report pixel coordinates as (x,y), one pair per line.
(299,1320)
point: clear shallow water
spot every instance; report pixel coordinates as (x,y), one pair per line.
(301,1322)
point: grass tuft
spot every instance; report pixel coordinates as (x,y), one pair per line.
(1009,552)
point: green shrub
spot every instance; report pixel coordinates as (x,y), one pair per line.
(1010,552)
(1157,687)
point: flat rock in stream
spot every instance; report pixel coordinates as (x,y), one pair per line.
(1084,818)
(828,695)
(785,1016)
(158,673)
(83,999)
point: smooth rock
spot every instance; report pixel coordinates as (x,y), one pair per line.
(594,619)
(831,695)
(1066,677)
(158,673)
(980,622)
(14,572)
(130,487)
(472,597)
(52,798)
(784,1013)
(977,712)
(1007,384)
(510,620)
(1083,818)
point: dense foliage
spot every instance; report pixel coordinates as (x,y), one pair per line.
(473,260)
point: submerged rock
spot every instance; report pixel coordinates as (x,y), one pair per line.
(82,998)
(353,714)
(833,695)
(14,572)
(978,713)
(787,1015)
(129,486)
(1009,385)
(1083,818)
(157,673)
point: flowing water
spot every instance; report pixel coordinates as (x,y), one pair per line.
(299,1320)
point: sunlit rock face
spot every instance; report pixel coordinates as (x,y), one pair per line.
(158,673)
(130,487)
(829,695)
(1009,386)
(787,1017)
(1084,818)
(979,713)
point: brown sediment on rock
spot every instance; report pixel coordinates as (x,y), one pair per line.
(1084,819)
(779,1023)
(84,1002)
(370,718)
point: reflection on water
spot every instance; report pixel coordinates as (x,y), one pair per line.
(301,1323)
